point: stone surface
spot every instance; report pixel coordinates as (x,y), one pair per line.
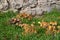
(3,5)
(34,7)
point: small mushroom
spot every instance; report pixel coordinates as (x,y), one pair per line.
(33,22)
(13,21)
(18,16)
(53,23)
(17,20)
(17,24)
(32,25)
(39,22)
(58,27)
(24,15)
(44,24)
(29,17)
(51,28)
(21,25)
(58,31)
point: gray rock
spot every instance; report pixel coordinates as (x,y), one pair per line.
(26,10)
(15,3)
(34,7)
(3,5)
(33,11)
(39,11)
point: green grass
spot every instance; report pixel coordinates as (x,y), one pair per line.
(13,32)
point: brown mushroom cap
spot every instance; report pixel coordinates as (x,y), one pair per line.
(53,23)
(44,24)
(13,20)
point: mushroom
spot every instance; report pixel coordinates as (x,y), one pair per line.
(18,16)
(44,24)
(13,21)
(53,23)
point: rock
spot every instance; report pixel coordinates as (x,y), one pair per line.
(58,4)
(34,7)
(3,5)
(26,10)
(15,4)
(33,11)
(39,11)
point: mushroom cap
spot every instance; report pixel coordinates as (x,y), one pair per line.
(44,24)
(53,23)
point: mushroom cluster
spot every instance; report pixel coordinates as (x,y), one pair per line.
(51,27)
(28,29)
(17,20)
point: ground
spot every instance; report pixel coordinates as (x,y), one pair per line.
(13,32)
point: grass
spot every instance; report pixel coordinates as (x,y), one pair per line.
(13,32)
